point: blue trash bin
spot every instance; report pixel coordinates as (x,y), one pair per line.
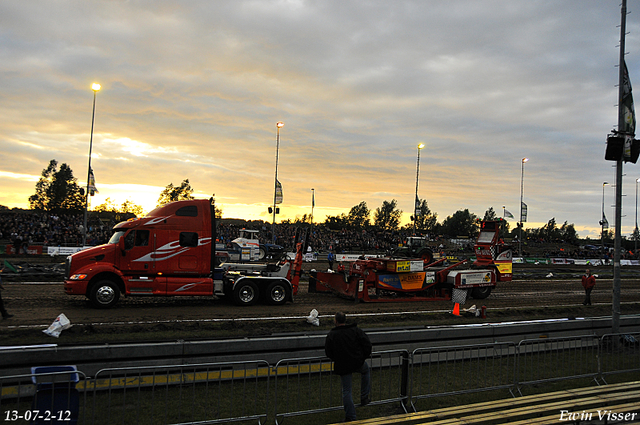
(56,399)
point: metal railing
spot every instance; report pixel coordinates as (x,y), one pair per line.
(441,371)
(210,392)
(556,359)
(619,353)
(304,386)
(255,391)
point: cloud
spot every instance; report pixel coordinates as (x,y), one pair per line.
(193,90)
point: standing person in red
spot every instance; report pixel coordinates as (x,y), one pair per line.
(349,347)
(588,282)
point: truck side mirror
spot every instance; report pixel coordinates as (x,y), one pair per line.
(121,246)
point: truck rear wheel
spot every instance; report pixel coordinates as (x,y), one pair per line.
(262,254)
(104,294)
(481,293)
(276,293)
(245,293)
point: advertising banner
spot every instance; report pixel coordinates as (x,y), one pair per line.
(404,282)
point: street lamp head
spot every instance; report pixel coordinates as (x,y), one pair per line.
(95,87)
(525,160)
(421,146)
(604,184)
(279,124)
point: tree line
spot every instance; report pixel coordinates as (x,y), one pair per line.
(57,191)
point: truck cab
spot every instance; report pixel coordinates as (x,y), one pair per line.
(172,240)
(170,252)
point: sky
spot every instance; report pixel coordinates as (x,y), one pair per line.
(193,90)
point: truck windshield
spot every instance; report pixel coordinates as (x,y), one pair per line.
(116,236)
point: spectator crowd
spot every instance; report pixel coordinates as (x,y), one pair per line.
(27,228)
(22,229)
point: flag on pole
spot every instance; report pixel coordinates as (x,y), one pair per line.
(507,214)
(92,183)
(627,110)
(417,211)
(278,192)
(523,212)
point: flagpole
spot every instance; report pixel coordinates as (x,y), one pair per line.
(615,307)
(313,202)
(415,202)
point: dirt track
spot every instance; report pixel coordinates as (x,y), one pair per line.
(39,303)
(36,305)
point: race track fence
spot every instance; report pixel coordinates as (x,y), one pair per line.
(555,359)
(257,392)
(305,386)
(441,371)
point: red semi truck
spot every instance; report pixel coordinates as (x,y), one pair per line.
(169,253)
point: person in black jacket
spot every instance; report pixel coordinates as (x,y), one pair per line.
(349,347)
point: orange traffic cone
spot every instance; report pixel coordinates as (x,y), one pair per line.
(456,309)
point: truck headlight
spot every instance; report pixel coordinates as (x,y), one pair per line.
(78,277)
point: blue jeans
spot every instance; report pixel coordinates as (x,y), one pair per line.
(365,389)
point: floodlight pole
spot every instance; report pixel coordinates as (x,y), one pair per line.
(615,305)
(95,87)
(279,125)
(635,231)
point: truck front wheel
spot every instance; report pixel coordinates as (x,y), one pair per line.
(104,294)
(276,294)
(245,293)
(481,293)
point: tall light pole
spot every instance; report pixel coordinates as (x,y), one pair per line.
(279,125)
(626,132)
(95,87)
(521,204)
(415,203)
(635,233)
(604,224)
